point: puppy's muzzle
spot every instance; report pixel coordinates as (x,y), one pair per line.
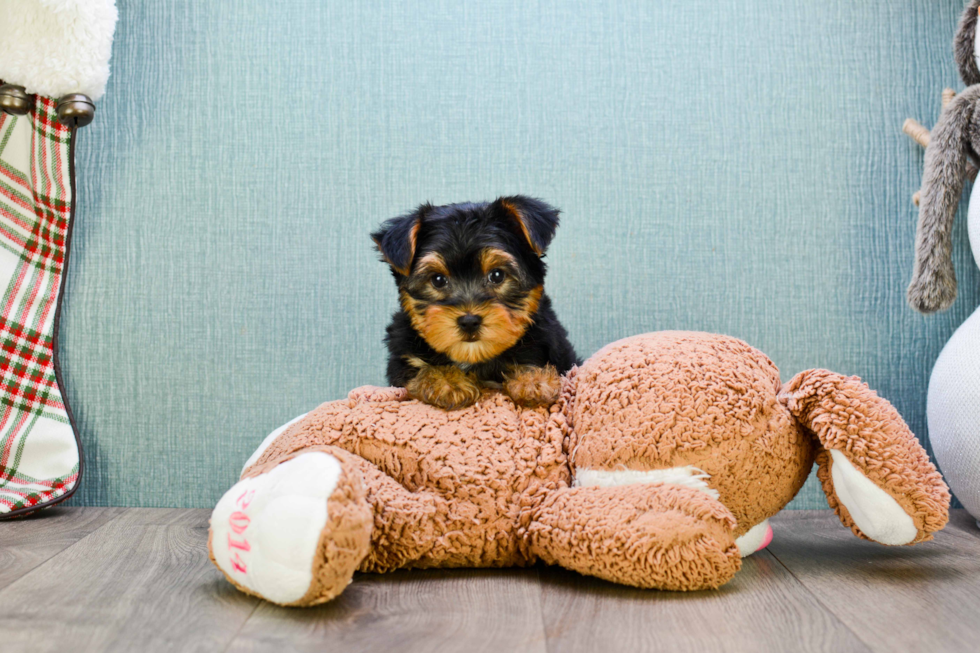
(469,324)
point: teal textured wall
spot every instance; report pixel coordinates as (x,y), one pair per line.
(725,166)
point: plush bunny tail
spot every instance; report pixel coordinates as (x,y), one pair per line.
(876,475)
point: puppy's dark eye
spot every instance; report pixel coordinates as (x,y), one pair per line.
(439,281)
(496,276)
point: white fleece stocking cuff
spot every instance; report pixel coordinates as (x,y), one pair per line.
(56,47)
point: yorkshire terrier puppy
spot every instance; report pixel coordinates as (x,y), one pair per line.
(473,309)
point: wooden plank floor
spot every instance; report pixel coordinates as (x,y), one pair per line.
(98,579)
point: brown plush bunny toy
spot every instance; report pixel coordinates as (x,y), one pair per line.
(658,467)
(954,140)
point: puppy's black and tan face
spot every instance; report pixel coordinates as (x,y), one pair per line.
(470,276)
(470,303)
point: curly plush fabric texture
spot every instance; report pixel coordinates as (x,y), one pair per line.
(848,417)
(685,441)
(673,399)
(449,487)
(672,537)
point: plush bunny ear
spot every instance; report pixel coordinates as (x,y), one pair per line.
(933,286)
(965,45)
(397,238)
(535,220)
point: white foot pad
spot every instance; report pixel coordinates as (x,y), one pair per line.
(265,529)
(874,511)
(758,538)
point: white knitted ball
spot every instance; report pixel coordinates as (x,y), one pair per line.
(953,411)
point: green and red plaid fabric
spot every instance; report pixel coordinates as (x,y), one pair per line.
(39,451)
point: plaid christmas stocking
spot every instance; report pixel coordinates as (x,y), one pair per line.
(54,61)
(39,450)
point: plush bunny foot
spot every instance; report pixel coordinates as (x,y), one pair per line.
(872,510)
(293,534)
(660,536)
(874,472)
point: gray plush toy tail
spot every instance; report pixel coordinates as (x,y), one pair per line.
(964,44)
(933,286)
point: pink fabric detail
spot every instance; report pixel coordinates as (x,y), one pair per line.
(245,499)
(235,544)
(237,564)
(767,540)
(238,522)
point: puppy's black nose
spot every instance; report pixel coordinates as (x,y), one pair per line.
(469,323)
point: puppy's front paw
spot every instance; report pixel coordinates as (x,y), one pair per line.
(533,386)
(447,387)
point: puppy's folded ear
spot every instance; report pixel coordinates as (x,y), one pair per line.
(534,219)
(397,238)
